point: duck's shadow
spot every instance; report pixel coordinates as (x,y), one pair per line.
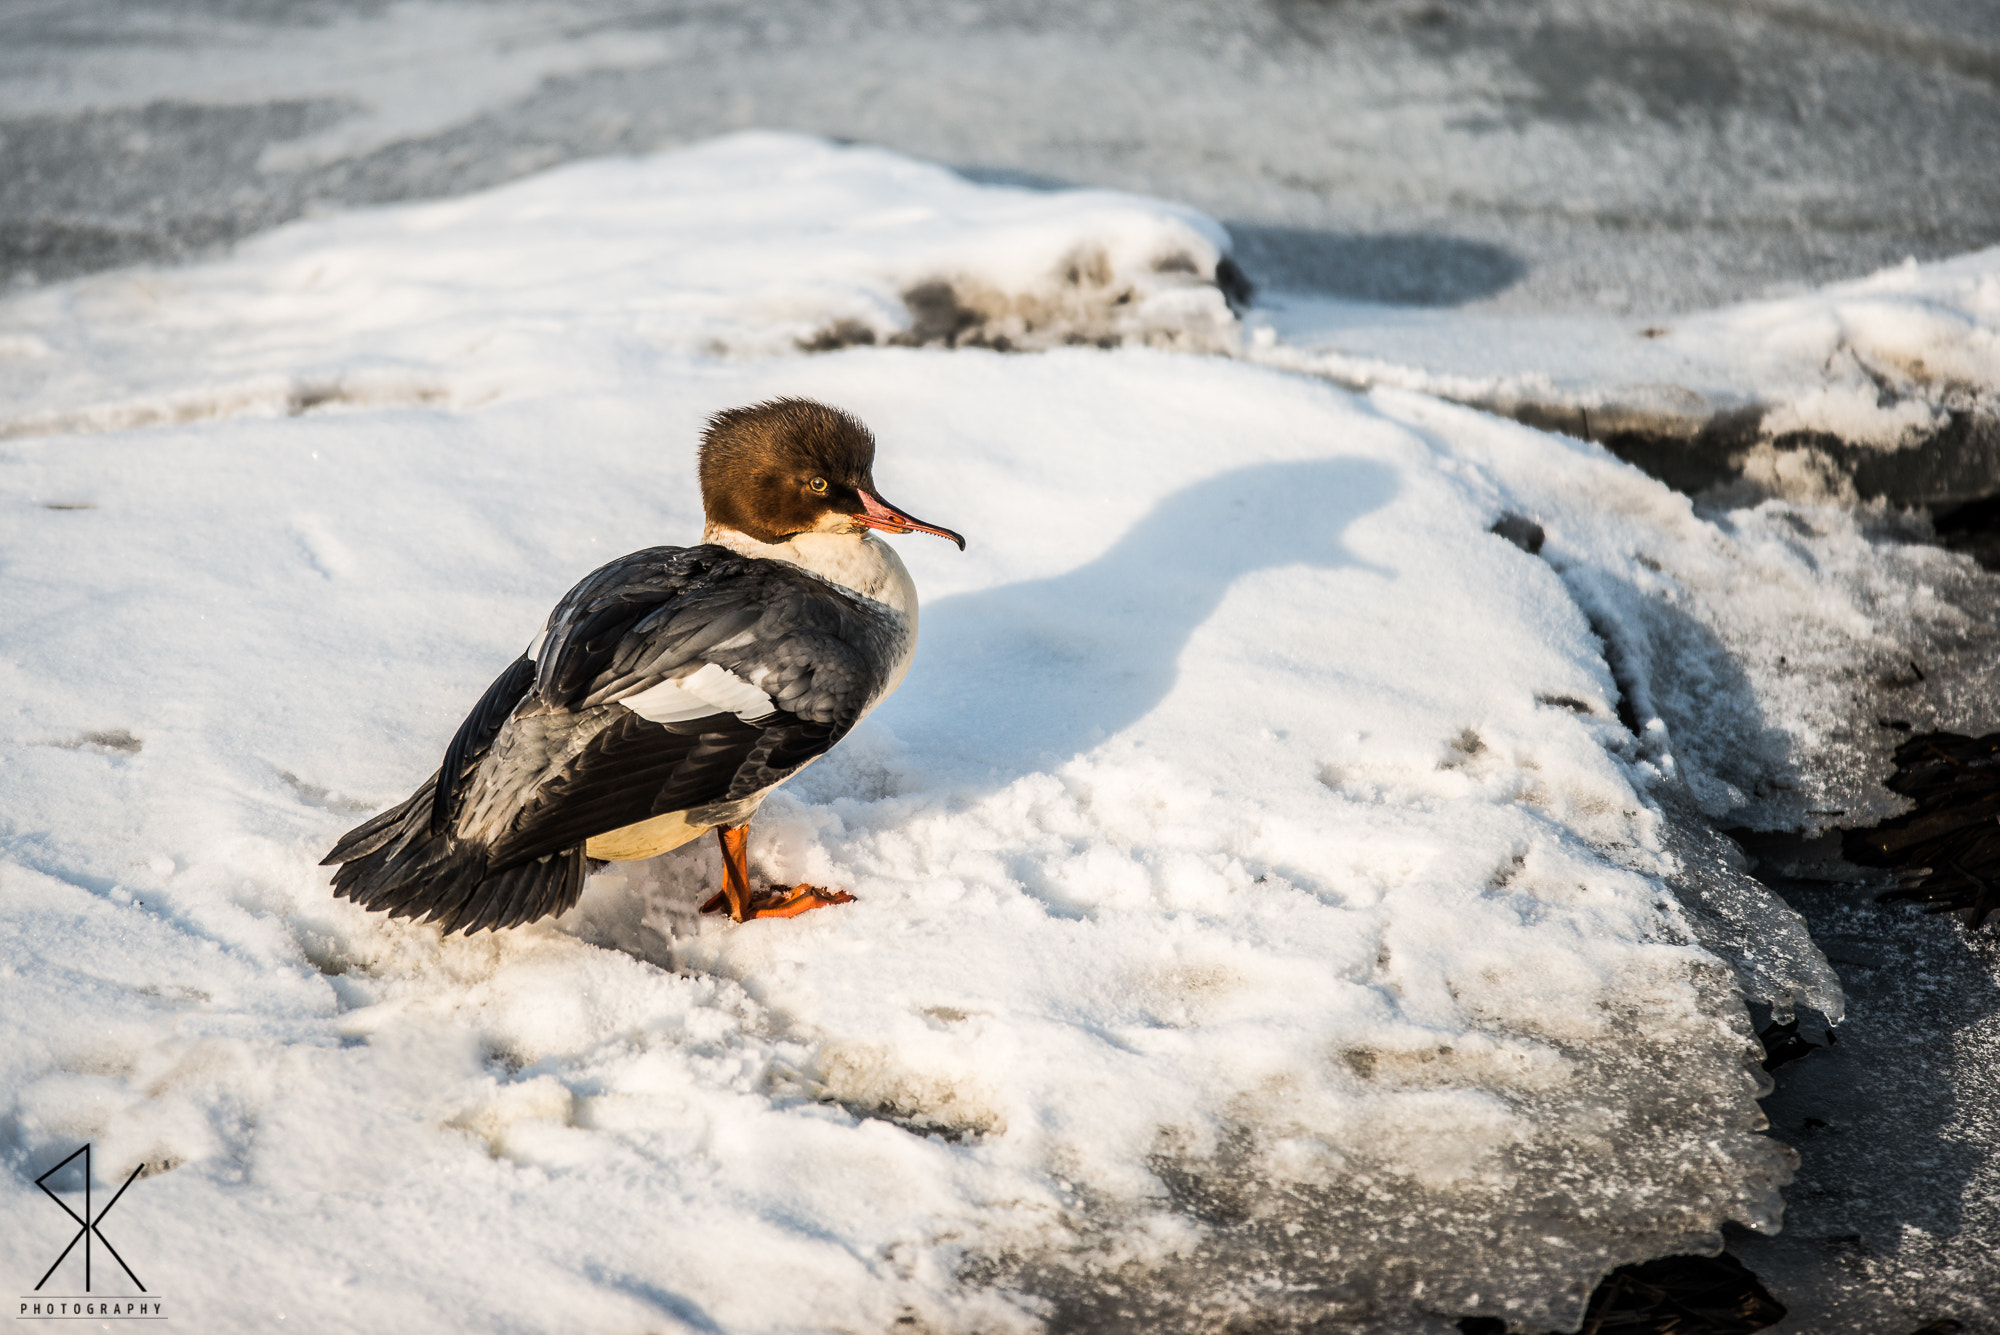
(1023,677)
(1019,679)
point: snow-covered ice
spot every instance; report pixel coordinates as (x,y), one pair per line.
(756,244)
(1882,362)
(1267,876)
(403,70)
(1632,156)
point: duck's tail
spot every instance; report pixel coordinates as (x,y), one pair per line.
(393,864)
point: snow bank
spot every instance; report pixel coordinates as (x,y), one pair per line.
(1755,636)
(752,245)
(1883,363)
(1264,875)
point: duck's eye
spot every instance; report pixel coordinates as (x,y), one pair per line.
(818,484)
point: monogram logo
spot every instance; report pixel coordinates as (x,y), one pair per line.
(87,1222)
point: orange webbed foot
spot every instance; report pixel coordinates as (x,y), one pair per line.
(742,903)
(799,899)
(775,903)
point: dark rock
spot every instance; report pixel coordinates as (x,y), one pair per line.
(1522,531)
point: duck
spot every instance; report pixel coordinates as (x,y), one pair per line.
(668,694)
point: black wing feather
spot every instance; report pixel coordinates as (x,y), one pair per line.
(635,769)
(594,619)
(469,745)
(817,650)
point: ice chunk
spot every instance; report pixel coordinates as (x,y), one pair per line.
(1737,917)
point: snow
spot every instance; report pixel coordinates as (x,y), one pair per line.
(753,245)
(1262,906)
(1882,361)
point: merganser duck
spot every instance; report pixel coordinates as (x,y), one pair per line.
(668,693)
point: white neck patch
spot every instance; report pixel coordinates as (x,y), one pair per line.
(859,562)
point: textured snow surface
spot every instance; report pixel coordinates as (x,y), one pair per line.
(1265,877)
(752,245)
(1882,361)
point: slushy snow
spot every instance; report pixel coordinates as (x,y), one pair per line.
(1279,894)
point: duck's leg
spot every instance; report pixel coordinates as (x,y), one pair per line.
(735,874)
(744,904)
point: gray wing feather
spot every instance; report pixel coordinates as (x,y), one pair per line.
(820,653)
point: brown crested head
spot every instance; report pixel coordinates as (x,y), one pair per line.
(790,466)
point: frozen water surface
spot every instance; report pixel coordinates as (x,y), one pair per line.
(1281,895)
(1619,155)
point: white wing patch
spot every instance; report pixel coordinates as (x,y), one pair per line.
(712,690)
(535,649)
